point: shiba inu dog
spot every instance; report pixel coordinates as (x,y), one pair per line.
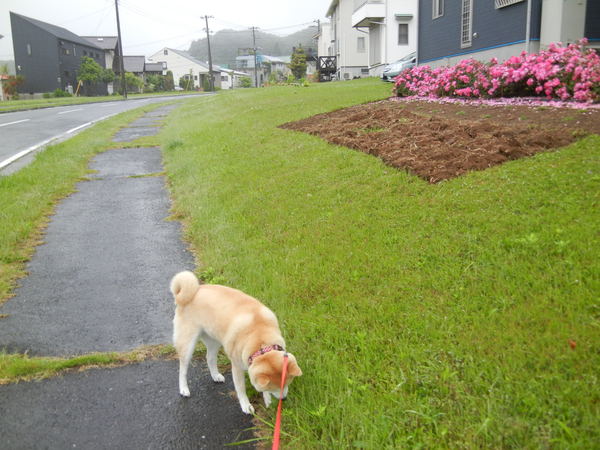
(246,329)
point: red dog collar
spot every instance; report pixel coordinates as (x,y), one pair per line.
(264,350)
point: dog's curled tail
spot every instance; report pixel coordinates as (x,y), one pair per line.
(184,286)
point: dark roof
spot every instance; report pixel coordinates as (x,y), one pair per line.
(59,32)
(134,63)
(153,67)
(104,42)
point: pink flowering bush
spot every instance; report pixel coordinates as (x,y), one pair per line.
(563,73)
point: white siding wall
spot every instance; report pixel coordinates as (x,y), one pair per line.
(349,60)
(180,66)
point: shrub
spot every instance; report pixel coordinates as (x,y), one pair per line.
(245,82)
(60,93)
(565,73)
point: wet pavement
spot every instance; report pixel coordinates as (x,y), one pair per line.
(100,283)
(131,407)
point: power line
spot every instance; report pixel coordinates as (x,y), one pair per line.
(81,17)
(139,44)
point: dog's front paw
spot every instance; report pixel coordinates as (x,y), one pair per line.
(267,398)
(184,392)
(247,408)
(218,378)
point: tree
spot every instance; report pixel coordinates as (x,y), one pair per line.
(187,83)
(133,82)
(245,82)
(169,82)
(90,73)
(298,63)
(108,76)
(155,83)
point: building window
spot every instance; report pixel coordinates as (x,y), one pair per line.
(466,23)
(28,49)
(166,52)
(224,78)
(360,45)
(438,9)
(84,53)
(502,3)
(67,74)
(196,77)
(402,34)
(74,51)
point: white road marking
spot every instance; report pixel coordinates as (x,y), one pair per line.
(39,145)
(78,128)
(70,111)
(13,158)
(12,123)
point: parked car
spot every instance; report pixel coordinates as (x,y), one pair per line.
(392,70)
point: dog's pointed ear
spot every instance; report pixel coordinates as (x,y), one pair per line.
(262,380)
(294,369)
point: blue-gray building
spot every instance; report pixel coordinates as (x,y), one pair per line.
(452,30)
(48,56)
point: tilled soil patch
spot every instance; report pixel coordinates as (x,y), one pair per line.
(438,141)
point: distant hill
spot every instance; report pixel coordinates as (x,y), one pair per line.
(225,44)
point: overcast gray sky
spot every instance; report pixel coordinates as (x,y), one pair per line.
(149,25)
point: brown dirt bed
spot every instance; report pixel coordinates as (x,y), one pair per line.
(438,141)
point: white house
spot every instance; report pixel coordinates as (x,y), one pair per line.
(186,66)
(231,79)
(324,40)
(350,44)
(266,66)
(392,29)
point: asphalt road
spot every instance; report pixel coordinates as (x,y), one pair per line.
(23,130)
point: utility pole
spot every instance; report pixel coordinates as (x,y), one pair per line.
(210,70)
(255,59)
(123,84)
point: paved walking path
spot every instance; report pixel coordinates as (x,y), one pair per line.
(100,283)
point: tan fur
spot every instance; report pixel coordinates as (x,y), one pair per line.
(227,317)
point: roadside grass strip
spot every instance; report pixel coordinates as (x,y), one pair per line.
(457,315)
(19,105)
(17,367)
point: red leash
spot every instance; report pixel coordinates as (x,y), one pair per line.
(278,420)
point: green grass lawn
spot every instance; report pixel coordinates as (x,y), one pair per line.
(422,315)
(433,316)
(18,105)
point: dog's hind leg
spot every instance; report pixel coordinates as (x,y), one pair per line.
(212,351)
(184,339)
